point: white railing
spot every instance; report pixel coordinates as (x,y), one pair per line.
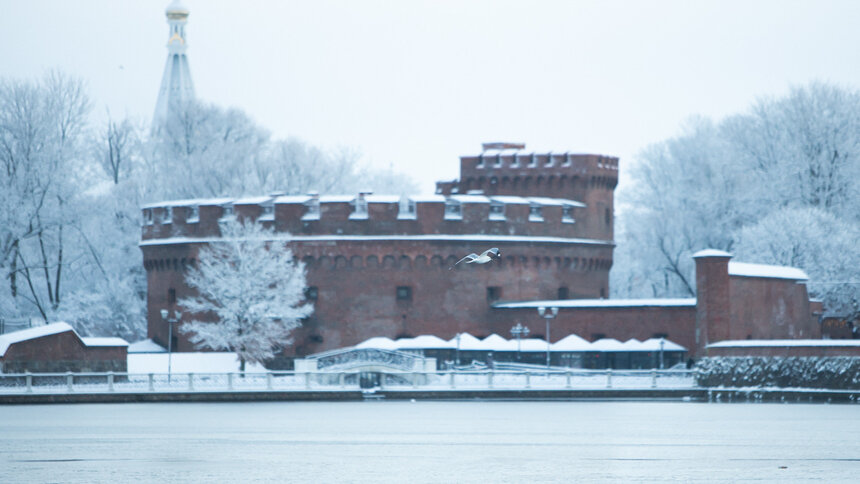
(62,383)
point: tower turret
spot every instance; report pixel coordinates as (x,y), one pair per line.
(176,85)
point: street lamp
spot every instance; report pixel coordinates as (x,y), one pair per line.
(165,315)
(519,330)
(662,342)
(547,315)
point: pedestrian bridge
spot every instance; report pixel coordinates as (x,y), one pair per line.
(360,360)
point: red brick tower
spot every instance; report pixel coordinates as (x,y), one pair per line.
(378,265)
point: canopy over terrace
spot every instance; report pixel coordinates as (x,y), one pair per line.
(570,351)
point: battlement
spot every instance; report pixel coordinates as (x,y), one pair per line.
(516,172)
(522,162)
(368,214)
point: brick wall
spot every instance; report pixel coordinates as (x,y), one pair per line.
(357,282)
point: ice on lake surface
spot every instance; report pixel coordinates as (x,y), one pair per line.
(399,441)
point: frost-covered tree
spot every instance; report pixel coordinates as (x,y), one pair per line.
(204,151)
(704,187)
(41,133)
(250,293)
(683,199)
(115,147)
(207,151)
(295,167)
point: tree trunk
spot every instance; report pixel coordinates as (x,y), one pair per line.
(13,271)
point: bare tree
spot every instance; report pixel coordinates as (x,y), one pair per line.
(115,147)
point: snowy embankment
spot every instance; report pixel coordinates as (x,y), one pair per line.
(835,373)
(188,363)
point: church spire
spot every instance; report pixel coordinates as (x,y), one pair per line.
(176,85)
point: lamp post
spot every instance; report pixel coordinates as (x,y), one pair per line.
(519,330)
(457,359)
(547,315)
(165,315)
(662,342)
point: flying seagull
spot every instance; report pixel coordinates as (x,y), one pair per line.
(487,256)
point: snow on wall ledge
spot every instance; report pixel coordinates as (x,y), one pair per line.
(598,303)
(380,214)
(761,343)
(744,269)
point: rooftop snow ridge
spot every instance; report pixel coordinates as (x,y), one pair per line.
(494,342)
(744,269)
(313,213)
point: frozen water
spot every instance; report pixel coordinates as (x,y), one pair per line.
(474,441)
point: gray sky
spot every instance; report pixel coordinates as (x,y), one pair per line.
(417,84)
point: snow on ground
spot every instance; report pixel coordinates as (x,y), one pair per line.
(188,363)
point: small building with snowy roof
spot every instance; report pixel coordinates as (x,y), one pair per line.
(57,347)
(734,301)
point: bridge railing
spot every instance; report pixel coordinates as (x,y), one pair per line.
(551,379)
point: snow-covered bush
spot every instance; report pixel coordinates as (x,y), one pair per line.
(834,372)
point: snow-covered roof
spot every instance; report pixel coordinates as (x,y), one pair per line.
(252,200)
(383,198)
(379,342)
(711,253)
(497,343)
(653,344)
(533,344)
(522,152)
(744,269)
(101,341)
(598,303)
(189,202)
(607,344)
(470,198)
(494,342)
(440,237)
(300,199)
(633,344)
(9,339)
(509,199)
(755,343)
(292,199)
(146,346)
(555,201)
(468,342)
(422,342)
(571,343)
(31,333)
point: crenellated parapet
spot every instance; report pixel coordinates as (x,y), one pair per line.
(516,172)
(366,214)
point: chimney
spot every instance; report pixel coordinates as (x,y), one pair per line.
(713,300)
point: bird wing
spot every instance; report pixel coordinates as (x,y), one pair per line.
(470,258)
